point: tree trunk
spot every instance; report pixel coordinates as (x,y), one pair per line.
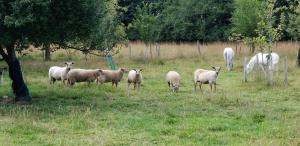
(18,85)
(47,52)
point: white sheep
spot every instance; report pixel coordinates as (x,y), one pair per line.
(264,61)
(173,80)
(135,77)
(113,76)
(1,75)
(228,57)
(59,73)
(84,75)
(210,77)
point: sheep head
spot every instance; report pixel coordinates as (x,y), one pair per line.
(175,87)
(138,72)
(216,69)
(69,65)
(122,69)
(99,76)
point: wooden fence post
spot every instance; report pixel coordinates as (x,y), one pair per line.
(198,48)
(145,54)
(236,47)
(286,70)
(157,51)
(130,52)
(258,67)
(245,70)
(298,57)
(271,71)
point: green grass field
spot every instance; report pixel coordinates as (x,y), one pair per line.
(238,113)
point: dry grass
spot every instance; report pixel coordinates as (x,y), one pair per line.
(174,50)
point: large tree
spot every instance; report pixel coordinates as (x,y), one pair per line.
(246,16)
(74,24)
(196,20)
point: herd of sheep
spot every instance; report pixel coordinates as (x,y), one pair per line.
(201,76)
(135,77)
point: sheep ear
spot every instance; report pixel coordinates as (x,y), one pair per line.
(66,63)
(214,68)
(72,62)
(100,70)
(141,69)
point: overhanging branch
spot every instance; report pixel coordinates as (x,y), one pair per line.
(86,51)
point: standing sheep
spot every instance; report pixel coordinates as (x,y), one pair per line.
(135,77)
(206,77)
(112,76)
(83,75)
(173,79)
(59,73)
(228,57)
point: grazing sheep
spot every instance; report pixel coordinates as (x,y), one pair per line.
(135,77)
(83,75)
(113,76)
(1,75)
(173,79)
(263,61)
(228,57)
(59,73)
(206,77)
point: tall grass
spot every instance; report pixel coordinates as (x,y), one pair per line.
(175,50)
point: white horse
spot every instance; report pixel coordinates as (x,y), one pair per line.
(264,61)
(228,57)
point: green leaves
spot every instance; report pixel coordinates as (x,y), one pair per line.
(83,24)
(147,23)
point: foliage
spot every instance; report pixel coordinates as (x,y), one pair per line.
(76,23)
(146,23)
(246,17)
(196,20)
(294,26)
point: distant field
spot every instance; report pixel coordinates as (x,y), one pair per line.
(251,113)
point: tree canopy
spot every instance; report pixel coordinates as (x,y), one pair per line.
(85,25)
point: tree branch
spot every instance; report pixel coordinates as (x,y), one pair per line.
(85,50)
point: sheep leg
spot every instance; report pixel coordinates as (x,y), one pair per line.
(51,81)
(210,86)
(134,86)
(169,84)
(138,86)
(215,85)
(200,86)
(128,85)
(195,86)
(116,84)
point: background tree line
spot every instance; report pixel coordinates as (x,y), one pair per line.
(213,20)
